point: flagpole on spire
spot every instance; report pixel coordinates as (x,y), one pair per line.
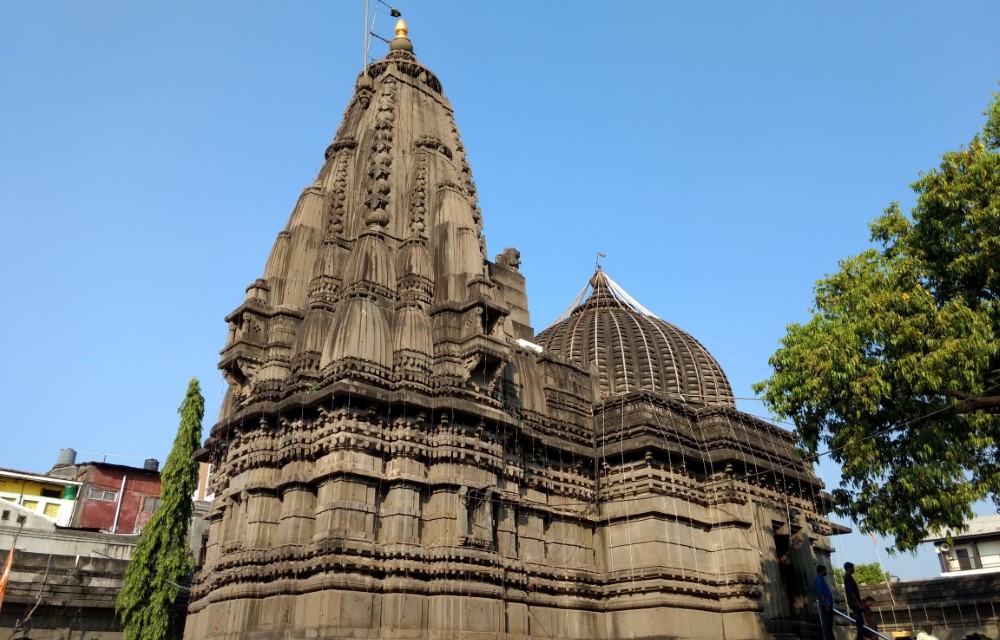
(364,61)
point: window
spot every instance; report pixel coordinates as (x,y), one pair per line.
(29,504)
(965,562)
(5,515)
(149,505)
(51,493)
(104,495)
(51,509)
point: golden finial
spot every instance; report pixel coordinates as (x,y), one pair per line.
(402,41)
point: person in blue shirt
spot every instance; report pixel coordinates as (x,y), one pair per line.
(824,598)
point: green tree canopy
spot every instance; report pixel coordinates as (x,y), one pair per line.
(162,562)
(870,573)
(897,374)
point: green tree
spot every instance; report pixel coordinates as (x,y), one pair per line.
(897,374)
(162,562)
(870,573)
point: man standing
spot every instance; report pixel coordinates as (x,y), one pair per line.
(854,599)
(824,597)
(927,627)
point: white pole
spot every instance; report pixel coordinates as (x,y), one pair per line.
(878,556)
(118,507)
(364,62)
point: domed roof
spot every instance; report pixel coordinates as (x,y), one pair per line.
(630,349)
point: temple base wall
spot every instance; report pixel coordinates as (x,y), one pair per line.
(332,614)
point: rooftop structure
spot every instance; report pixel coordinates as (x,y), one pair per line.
(71,532)
(398,455)
(976,549)
(48,496)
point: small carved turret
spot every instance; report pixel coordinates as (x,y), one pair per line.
(412,345)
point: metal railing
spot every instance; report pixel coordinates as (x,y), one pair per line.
(848,617)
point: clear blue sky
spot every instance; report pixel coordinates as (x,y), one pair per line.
(723,155)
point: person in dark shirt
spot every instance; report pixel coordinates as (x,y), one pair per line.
(824,598)
(854,599)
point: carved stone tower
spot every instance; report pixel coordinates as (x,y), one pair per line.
(398,456)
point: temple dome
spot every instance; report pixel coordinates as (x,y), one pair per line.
(628,349)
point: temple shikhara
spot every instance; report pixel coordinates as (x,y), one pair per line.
(400,455)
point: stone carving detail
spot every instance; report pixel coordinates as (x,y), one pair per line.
(339,144)
(418,205)
(433,143)
(510,258)
(363,90)
(380,160)
(338,199)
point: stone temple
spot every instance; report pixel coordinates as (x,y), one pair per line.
(399,455)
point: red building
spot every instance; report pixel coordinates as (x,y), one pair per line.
(114,498)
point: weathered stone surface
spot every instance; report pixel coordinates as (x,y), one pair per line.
(396,458)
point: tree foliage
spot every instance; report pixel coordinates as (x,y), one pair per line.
(162,562)
(870,573)
(897,374)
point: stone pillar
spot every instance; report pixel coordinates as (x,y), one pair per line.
(234,520)
(507,542)
(774,600)
(531,536)
(400,515)
(215,528)
(441,516)
(298,515)
(345,508)
(802,570)
(262,509)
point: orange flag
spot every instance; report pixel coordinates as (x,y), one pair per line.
(6,573)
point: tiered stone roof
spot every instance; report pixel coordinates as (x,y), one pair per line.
(628,349)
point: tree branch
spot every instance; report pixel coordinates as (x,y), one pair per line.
(970,403)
